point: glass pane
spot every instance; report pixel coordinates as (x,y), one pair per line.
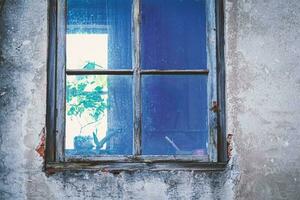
(174,115)
(173,34)
(98,34)
(99,115)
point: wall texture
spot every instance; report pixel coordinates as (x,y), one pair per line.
(263,104)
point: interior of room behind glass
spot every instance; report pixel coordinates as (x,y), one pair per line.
(174,107)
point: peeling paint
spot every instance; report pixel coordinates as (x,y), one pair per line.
(229,145)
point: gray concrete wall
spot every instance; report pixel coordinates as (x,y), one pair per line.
(263,104)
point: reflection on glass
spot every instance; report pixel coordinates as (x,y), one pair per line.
(99,115)
(98,34)
(173,34)
(174,114)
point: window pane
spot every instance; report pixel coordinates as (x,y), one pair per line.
(99,115)
(98,34)
(174,115)
(173,34)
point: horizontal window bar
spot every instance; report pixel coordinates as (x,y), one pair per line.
(195,71)
(99,72)
(130,72)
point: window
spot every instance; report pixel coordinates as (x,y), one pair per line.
(136,84)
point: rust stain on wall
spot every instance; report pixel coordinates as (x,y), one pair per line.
(40,149)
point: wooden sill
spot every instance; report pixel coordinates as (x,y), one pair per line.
(116,167)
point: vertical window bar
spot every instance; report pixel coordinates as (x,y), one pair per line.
(60,75)
(51,79)
(212,82)
(222,144)
(137,79)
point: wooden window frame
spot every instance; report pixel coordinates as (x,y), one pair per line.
(55,118)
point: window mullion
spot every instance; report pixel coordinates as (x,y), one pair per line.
(137,78)
(60,82)
(51,79)
(176,71)
(99,72)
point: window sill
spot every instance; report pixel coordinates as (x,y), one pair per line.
(116,167)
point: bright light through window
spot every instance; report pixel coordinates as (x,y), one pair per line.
(83,49)
(86,51)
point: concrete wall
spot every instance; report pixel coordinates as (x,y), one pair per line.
(263,104)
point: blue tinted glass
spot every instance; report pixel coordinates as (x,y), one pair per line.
(173,34)
(99,115)
(174,114)
(99,34)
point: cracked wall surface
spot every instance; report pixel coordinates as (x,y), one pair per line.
(263,103)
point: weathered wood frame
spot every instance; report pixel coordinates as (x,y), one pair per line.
(55,119)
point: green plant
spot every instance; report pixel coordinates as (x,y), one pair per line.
(85,96)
